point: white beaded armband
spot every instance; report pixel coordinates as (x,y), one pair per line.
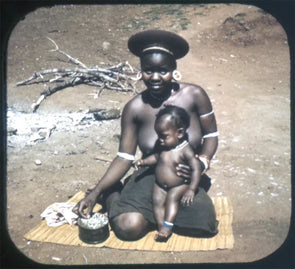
(211,135)
(126,156)
(207,114)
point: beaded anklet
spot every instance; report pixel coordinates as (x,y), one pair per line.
(168,224)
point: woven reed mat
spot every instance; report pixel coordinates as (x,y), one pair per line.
(68,235)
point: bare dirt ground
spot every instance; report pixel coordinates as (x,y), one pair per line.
(238,54)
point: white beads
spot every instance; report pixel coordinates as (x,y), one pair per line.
(95,222)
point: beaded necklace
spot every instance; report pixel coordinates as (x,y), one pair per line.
(180,146)
(161,98)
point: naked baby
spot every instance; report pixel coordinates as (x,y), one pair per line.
(171,149)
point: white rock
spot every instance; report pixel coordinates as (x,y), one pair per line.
(38,162)
(106,45)
(251,170)
(56,258)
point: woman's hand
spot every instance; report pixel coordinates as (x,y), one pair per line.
(185,171)
(87,203)
(188,197)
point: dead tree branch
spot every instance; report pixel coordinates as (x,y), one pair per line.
(73,60)
(118,77)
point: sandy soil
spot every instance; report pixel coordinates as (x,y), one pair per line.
(238,54)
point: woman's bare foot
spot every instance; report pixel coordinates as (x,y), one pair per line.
(163,234)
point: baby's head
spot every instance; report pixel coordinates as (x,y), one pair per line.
(171,125)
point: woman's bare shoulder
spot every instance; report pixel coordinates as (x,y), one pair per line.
(134,104)
(197,95)
(191,88)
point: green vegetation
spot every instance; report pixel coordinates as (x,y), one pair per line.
(175,14)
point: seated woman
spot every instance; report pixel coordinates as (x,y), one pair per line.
(130,208)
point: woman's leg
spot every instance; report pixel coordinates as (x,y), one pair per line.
(198,219)
(130,226)
(131,216)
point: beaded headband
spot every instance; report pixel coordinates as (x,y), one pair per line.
(158,48)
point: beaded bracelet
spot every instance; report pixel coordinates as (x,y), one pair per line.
(205,161)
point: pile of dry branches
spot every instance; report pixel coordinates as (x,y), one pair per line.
(119,77)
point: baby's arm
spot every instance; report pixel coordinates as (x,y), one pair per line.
(150,160)
(195,166)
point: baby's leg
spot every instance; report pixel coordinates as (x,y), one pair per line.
(171,207)
(174,196)
(159,198)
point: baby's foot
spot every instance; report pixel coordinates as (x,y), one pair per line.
(163,234)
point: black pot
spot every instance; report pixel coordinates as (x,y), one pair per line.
(93,236)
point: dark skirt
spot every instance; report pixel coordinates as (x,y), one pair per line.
(199,219)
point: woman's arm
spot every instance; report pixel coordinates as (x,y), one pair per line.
(203,107)
(127,148)
(207,123)
(120,165)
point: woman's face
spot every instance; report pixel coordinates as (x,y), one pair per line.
(157,71)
